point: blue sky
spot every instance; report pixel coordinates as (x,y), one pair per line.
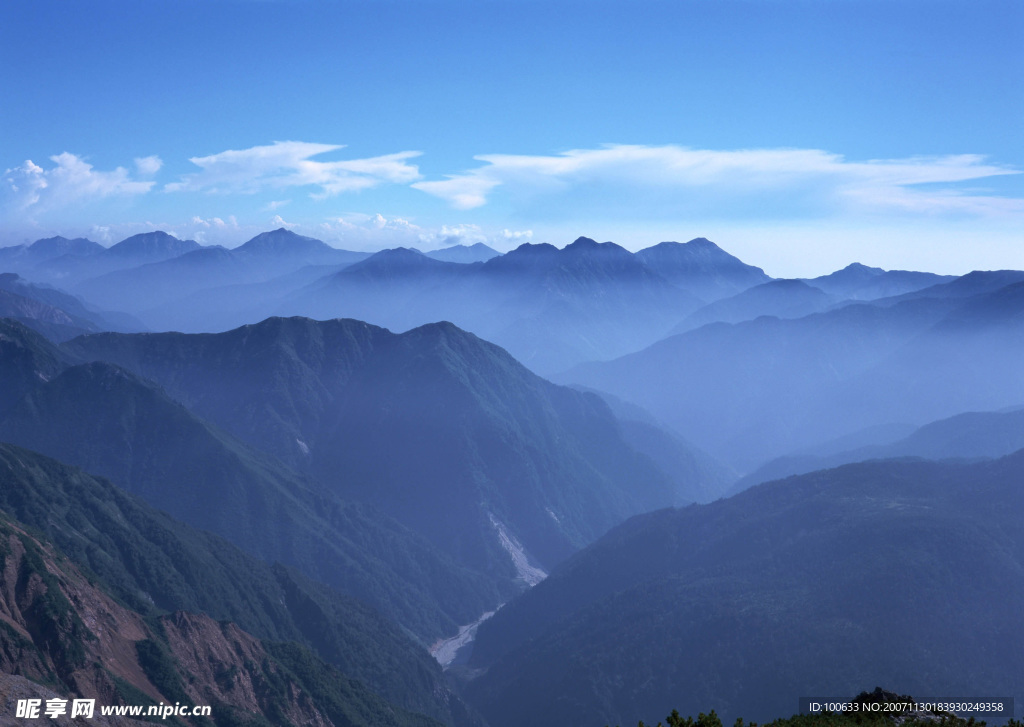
(800,136)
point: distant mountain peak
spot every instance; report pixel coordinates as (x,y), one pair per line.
(530,248)
(477,252)
(398,253)
(702,267)
(54,246)
(586,245)
(152,245)
(699,250)
(702,242)
(860,267)
(400,260)
(282,241)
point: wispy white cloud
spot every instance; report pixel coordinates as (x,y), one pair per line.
(287,164)
(725,178)
(30,187)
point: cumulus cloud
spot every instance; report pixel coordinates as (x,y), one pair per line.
(722,177)
(286,164)
(277,222)
(213,222)
(148,166)
(70,180)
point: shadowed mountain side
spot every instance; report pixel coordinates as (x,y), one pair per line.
(972,435)
(268,383)
(702,268)
(903,573)
(445,431)
(778,298)
(473,435)
(152,564)
(26,360)
(104,419)
(756,390)
(53,323)
(71,305)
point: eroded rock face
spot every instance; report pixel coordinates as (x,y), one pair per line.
(229,666)
(59,628)
(62,628)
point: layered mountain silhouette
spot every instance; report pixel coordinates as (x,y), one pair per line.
(778,298)
(443,431)
(57,315)
(163,282)
(548,307)
(148,247)
(971,435)
(861,282)
(110,422)
(334,422)
(24,258)
(759,389)
(908,573)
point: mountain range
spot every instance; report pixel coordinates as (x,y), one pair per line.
(109,421)
(334,487)
(770,386)
(493,447)
(884,571)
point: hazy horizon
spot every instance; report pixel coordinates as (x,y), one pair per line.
(798,137)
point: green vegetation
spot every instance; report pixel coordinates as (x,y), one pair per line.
(884,571)
(159,665)
(343,701)
(153,564)
(111,423)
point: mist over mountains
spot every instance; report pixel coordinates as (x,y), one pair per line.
(604,484)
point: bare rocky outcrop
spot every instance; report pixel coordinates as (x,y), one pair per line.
(62,636)
(228,665)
